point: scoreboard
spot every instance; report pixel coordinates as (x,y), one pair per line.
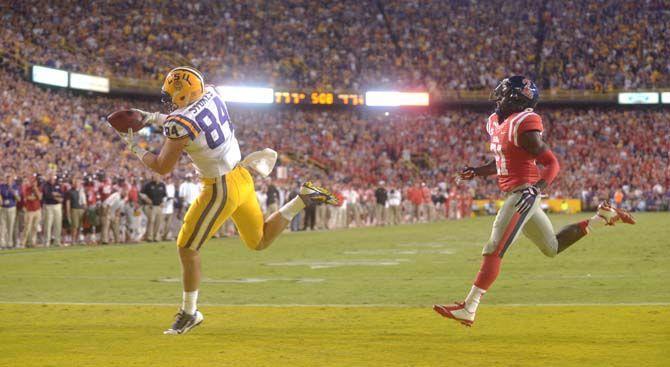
(238,94)
(318,98)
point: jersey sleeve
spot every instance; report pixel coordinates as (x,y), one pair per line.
(489,124)
(179,126)
(530,122)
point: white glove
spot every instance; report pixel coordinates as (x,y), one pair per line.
(129,139)
(150,118)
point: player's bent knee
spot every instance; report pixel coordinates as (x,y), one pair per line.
(255,244)
(550,249)
(549,253)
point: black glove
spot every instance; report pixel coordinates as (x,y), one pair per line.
(527,199)
(467,173)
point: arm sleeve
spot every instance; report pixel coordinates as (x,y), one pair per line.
(551,166)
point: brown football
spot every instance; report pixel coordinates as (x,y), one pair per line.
(123,120)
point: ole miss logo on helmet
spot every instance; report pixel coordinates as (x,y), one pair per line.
(527,88)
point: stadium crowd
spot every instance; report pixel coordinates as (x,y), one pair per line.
(63,167)
(352,45)
(66,179)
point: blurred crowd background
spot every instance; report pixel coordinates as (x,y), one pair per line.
(66,178)
(353,45)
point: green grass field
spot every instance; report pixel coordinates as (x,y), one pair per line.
(356,297)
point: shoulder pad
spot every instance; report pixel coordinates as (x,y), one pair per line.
(178,126)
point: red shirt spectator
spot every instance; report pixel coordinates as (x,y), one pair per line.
(415,195)
(91,195)
(32,196)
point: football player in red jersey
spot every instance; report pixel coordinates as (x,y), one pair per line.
(516,142)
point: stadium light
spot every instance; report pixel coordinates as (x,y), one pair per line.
(665,97)
(49,76)
(639,98)
(246,94)
(378,98)
(89,82)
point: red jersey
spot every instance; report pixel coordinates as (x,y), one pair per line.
(31,199)
(105,189)
(514,165)
(91,195)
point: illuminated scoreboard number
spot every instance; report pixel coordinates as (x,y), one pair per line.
(319,98)
(322,98)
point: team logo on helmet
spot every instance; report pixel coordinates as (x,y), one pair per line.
(527,89)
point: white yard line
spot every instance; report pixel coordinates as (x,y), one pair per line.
(330,305)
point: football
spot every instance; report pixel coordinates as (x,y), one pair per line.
(123,120)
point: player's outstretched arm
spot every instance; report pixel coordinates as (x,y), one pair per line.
(164,162)
(486,170)
(531,141)
(468,173)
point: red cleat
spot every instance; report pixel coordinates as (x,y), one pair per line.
(625,216)
(456,312)
(611,215)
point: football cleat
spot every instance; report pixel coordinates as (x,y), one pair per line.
(184,322)
(456,312)
(625,216)
(611,215)
(312,194)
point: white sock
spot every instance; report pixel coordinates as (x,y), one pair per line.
(189,302)
(595,221)
(292,208)
(473,298)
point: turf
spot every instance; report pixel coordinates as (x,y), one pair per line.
(371,290)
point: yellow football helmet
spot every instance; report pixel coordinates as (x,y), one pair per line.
(182,86)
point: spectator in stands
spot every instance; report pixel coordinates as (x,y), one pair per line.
(91,222)
(353,208)
(415,197)
(52,196)
(272,198)
(394,206)
(295,222)
(31,195)
(9,195)
(114,205)
(167,212)
(381,196)
(75,204)
(188,192)
(153,194)
(105,190)
(310,217)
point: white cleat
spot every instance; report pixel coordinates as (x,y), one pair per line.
(184,322)
(456,311)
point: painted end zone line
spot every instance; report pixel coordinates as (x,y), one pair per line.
(330,305)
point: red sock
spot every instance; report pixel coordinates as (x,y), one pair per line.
(488,271)
(584,225)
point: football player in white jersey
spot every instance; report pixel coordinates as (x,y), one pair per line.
(200,126)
